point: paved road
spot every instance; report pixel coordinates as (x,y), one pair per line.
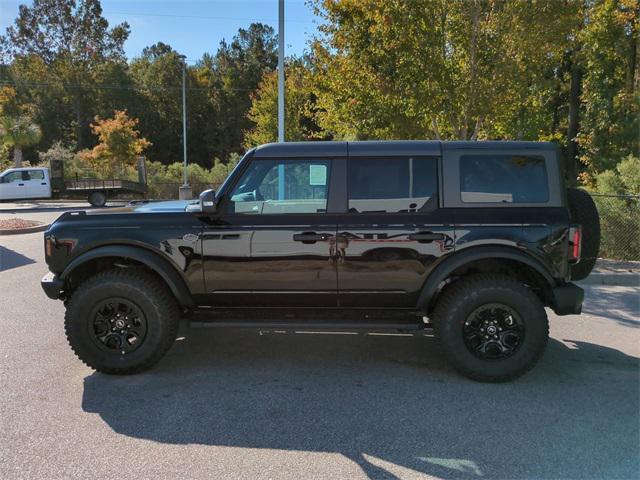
(235,404)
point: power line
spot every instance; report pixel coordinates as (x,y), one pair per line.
(116,87)
(269,20)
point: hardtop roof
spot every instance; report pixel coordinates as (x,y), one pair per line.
(388,147)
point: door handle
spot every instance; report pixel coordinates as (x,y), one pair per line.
(310,237)
(43,183)
(426,237)
(21,184)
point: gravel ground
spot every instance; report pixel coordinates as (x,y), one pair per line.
(236,404)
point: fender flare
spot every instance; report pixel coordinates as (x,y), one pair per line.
(150,259)
(457,260)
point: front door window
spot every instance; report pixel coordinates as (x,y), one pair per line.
(282,186)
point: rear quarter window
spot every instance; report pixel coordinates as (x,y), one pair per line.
(503,179)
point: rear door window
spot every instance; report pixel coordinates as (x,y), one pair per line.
(392,185)
(35,174)
(503,179)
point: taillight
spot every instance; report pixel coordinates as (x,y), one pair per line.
(575,242)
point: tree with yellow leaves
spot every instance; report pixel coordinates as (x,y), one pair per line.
(119,144)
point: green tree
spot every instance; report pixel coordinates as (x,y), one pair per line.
(59,44)
(18,132)
(238,68)
(157,73)
(610,99)
(299,107)
(428,68)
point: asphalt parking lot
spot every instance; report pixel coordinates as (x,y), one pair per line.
(237,404)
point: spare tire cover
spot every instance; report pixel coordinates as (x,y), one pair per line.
(585,213)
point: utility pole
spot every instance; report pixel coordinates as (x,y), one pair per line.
(281,177)
(185,189)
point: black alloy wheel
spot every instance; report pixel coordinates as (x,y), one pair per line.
(493,331)
(118,325)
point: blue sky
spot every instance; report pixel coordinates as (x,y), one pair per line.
(195,27)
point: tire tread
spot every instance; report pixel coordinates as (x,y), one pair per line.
(155,289)
(457,295)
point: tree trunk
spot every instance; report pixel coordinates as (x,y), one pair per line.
(435,129)
(17,156)
(77,106)
(572,130)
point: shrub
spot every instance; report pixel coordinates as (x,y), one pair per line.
(618,200)
(164,180)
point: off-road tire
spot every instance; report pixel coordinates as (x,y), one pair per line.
(585,213)
(151,296)
(466,295)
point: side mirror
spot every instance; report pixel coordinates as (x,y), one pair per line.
(208,201)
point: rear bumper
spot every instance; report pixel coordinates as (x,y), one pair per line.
(52,285)
(567,299)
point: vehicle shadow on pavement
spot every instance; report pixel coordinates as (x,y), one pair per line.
(622,305)
(11,259)
(389,403)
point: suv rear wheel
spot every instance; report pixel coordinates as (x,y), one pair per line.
(121,321)
(491,327)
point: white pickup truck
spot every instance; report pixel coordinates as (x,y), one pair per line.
(23,183)
(36,183)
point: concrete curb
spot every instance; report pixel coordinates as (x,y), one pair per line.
(34,229)
(627,279)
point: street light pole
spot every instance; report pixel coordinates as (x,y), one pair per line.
(281,71)
(281,176)
(185,189)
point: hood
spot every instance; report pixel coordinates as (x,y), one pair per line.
(146,206)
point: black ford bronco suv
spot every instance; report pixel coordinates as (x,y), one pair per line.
(472,239)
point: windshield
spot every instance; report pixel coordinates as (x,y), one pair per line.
(225,184)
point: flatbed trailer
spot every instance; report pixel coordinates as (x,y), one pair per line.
(42,182)
(96,190)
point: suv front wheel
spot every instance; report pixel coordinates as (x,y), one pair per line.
(121,321)
(491,327)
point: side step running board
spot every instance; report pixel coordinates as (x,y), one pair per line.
(324,326)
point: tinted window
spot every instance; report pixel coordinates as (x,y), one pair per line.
(282,186)
(392,185)
(503,179)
